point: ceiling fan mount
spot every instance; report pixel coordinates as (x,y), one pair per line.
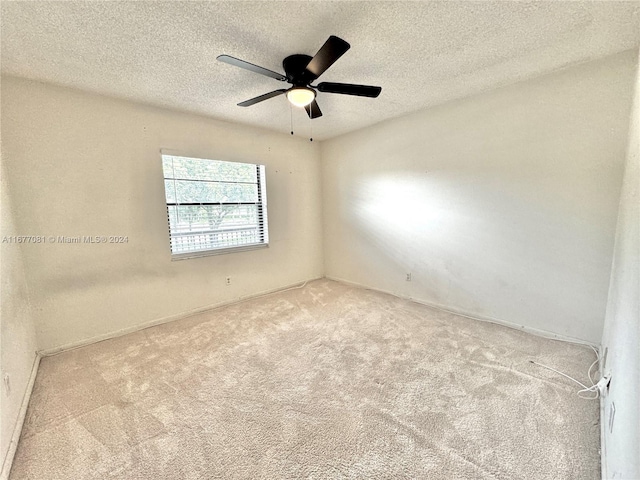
(300,71)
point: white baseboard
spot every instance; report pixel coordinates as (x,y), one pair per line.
(471,315)
(170,318)
(17,429)
(603,442)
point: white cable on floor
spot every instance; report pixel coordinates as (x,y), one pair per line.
(594,388)
(558,372)
(592,365)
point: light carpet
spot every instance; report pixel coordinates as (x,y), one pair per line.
(324,382)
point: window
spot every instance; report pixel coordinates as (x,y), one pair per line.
(214,206)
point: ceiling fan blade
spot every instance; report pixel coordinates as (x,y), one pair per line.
(331,51)
(313,110)
(350,89)
(250,66)
(261,98)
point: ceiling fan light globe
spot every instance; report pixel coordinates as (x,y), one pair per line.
(301,96)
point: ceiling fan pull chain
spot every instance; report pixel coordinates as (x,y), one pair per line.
(291,117)
(310,130)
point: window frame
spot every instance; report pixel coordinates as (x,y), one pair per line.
(261,204)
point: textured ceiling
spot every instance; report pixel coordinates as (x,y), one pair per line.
(421,53)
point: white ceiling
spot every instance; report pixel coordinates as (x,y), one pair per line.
(421,53)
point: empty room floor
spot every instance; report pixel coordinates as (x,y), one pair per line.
(324,381)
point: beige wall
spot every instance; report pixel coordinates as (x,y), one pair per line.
(17,332)
(502,205)
(82,164)
(621,446)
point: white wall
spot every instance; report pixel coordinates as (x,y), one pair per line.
(622,325)
(82,164)
(17,331)
(502,205)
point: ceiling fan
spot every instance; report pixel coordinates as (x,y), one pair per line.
(300,71)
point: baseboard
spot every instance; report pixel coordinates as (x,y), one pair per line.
(190,313)
(471,315)
(17,429)
(170,318)
(603,442)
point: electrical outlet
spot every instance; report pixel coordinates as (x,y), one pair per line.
(7,384)
(603,385)
(228,280)
(408,277)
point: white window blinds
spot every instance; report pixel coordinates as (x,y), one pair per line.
(214,206)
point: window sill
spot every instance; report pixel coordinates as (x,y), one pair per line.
(218,251)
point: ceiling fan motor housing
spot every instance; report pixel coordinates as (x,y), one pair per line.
(295,67)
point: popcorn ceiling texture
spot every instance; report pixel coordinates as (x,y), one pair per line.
(327,381)
(421,53)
